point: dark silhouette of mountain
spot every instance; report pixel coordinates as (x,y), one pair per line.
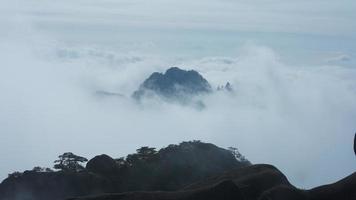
(174,84)
(188,171)
(344,189)
(255,182)
(223,191)
(168,169)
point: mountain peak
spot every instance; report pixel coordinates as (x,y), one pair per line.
(175,83)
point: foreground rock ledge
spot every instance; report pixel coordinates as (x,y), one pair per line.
(256,182)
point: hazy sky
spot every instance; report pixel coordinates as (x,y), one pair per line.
(292,65)
(324,17)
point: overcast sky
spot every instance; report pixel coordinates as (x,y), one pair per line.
(324,17)
(292,65)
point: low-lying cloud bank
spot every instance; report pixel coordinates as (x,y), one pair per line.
(299,118)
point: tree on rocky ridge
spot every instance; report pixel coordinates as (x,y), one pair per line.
(69,162)
(146,152)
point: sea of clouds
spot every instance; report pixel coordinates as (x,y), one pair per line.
(297,115)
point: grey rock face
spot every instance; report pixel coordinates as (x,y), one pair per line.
(174,84)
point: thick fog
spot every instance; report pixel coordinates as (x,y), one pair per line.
(292,67)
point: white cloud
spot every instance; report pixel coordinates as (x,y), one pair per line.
(56,54)
(339,58)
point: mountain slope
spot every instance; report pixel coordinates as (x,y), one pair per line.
(256,182)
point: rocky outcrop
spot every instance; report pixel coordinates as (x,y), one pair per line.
(344,189)
(175,84)
(103,165)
